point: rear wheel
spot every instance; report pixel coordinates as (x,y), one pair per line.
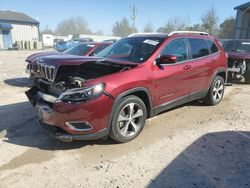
(129,119)
(216,91)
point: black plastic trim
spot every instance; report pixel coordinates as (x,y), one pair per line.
(66,137)
(181,100)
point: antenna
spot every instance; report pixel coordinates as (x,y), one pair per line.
(133,17)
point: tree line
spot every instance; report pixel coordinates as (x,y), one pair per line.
(208,23)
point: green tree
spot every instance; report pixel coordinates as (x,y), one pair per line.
(226,28)
(73,26)
(122,28)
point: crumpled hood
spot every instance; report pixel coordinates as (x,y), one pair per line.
(239,55)
(60,60)
(41,54)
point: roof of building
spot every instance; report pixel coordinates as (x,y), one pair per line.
(11,16)
(243,6)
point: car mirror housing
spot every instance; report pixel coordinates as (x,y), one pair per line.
(166,59)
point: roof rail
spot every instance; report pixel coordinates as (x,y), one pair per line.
(188,32)
(140,34)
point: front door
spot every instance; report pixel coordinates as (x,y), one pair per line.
(173,81)
(7,39)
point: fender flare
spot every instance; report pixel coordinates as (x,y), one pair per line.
(125,93)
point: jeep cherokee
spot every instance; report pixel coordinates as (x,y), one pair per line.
(133,79)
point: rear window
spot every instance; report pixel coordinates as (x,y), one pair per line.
(199,48)
(212,46)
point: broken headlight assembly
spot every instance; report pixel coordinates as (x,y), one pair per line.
(82,94)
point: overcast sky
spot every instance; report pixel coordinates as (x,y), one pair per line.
(102,14)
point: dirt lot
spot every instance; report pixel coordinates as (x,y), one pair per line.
(190,146)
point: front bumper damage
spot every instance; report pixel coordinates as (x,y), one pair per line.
(67,122)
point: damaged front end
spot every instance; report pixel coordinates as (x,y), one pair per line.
(63,97)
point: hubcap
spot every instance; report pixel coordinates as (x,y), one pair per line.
(218,91)
(130,119)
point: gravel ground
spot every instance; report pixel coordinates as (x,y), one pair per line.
(189,146)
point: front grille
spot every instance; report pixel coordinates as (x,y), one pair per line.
(46,71)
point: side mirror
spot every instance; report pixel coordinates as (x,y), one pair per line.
(166,59)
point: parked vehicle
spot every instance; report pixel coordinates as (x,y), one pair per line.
(84,49)
(113,93)
(64,45)
(110,40)
(238,51)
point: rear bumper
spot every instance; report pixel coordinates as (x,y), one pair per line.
(63,136)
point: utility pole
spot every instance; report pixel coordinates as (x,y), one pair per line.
(133,17)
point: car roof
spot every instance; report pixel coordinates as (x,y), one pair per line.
(174,33)
(150,35)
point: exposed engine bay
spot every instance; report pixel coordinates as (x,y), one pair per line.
(74,76)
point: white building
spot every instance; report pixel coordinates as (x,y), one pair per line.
(17,27)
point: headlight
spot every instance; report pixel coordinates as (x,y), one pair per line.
(82,94)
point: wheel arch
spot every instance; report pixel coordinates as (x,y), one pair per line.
(141,92)
(220,72)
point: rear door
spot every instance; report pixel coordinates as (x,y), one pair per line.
(201,64)
(172,81)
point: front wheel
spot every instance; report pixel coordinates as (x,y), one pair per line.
(129,119)
(216,91)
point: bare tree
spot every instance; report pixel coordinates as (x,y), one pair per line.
(195,27)
(73,26)
(122,28)
(148,28)
(209,21)
(173,24)
(47,30)
(226,28)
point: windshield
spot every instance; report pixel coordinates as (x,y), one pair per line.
(236,45)
(79,50)
(134,49)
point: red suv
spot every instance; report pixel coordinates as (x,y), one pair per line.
(135,78)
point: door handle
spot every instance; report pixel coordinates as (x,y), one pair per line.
(187,67)
(213,61)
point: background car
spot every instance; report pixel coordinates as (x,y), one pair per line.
(238,51)
(64,45)
(84,49)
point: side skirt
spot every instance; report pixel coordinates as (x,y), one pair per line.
(179,101)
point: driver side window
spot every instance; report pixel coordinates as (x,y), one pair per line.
(178,48)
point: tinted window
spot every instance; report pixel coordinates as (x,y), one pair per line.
(236,45)
(199,48)
(135,49)
(177,48)
(212,46)
(80,49)
(97,50)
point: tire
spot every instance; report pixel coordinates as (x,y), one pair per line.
(247,74)
(229,77)
(216,91)
(128,120)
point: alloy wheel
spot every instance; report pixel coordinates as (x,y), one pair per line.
(218,90)
(130,119)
